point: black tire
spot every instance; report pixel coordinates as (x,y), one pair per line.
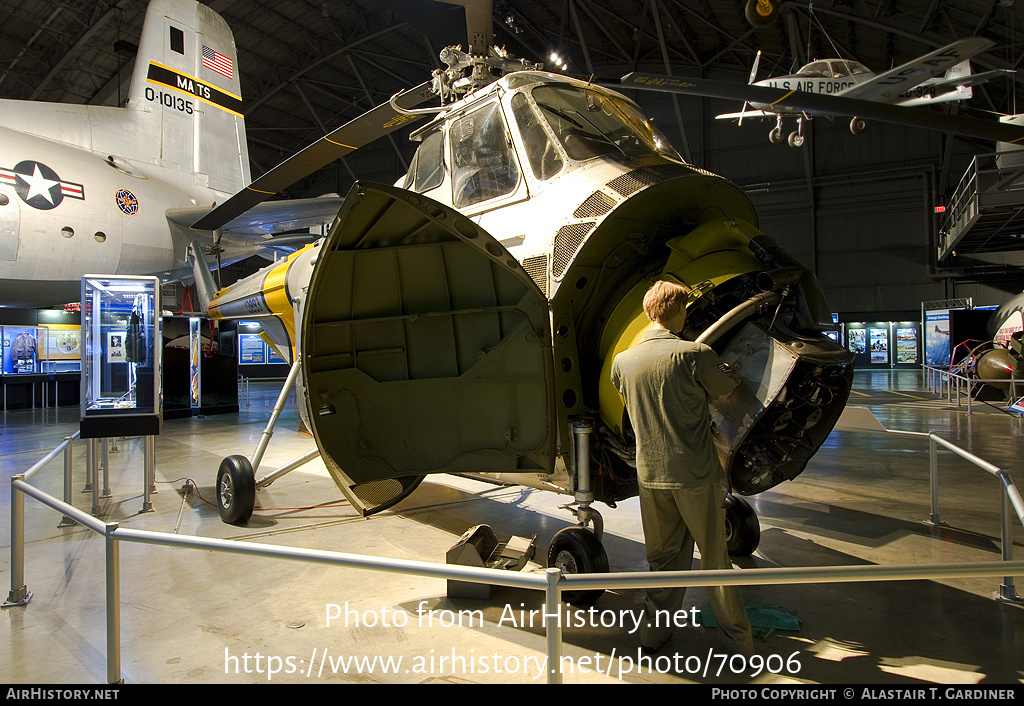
(236,490)
(762,13)
(742,530)
(576,550)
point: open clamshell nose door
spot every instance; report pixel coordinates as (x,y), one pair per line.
(426,349)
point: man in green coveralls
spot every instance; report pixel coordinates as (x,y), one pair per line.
(666,384)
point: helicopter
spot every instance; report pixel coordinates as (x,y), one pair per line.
(463,320)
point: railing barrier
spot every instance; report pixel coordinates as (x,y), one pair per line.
(551,580)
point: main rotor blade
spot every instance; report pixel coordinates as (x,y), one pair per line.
(346,139)
(783,100)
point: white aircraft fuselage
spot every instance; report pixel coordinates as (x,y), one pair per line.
(93,189)
(845,75)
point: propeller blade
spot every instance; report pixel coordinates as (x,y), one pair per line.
(778,100)
(346,139)
(753,75)
(753,71)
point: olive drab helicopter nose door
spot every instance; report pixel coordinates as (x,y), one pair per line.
(426,349)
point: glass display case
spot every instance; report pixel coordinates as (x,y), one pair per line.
(25,349)
(121,356)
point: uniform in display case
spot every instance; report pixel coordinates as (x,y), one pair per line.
(121,356)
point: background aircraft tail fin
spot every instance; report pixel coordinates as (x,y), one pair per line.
(187,92)
(960,70)
(961,73)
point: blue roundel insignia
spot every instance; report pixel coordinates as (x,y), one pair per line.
(36,184)
(127,202)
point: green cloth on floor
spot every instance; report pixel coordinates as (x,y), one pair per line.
(764,618)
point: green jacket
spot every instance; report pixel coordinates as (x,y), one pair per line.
(666,383)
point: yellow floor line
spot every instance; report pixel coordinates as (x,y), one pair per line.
(904,394)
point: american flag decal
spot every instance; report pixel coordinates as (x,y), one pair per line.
(215,61)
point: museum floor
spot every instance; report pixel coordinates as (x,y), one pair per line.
(191,616)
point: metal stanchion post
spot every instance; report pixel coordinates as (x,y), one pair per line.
(149,473)
(88,468)
(933,475)
(19,594)
(65,520)
(1007,591)
(552,607)
(105,462)
(94,461)
(151,446)
(113,591)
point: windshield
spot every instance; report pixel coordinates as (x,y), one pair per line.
(590,124)
(483,164)
(427,171)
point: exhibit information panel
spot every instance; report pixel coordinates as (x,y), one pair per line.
(121,356)
(884,344)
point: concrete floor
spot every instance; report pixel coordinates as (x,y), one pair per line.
(190,616)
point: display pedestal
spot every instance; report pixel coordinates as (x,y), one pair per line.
(113,425)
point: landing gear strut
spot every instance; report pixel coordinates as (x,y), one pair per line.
(796,138)
(236,477)
(577,550)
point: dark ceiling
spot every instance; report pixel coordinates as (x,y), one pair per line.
(308,66)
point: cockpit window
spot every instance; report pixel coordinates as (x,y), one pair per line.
(840,69)
(590,124)
(427,170)
(540,151)
(483,165)
(817,68)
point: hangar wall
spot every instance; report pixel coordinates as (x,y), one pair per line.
(858,210)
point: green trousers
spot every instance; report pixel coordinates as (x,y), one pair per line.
(673,520)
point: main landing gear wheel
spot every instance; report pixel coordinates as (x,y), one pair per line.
(858,125)
(576,550)
(775,136)
(796,139)
(742,530)
(236,490)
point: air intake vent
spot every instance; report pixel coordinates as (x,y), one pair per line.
(537,268)
(634,181)
(629,184)
(567,241)
(597,204)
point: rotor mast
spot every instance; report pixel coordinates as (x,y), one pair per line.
(482,64)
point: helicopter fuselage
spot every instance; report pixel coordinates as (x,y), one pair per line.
(463,319)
